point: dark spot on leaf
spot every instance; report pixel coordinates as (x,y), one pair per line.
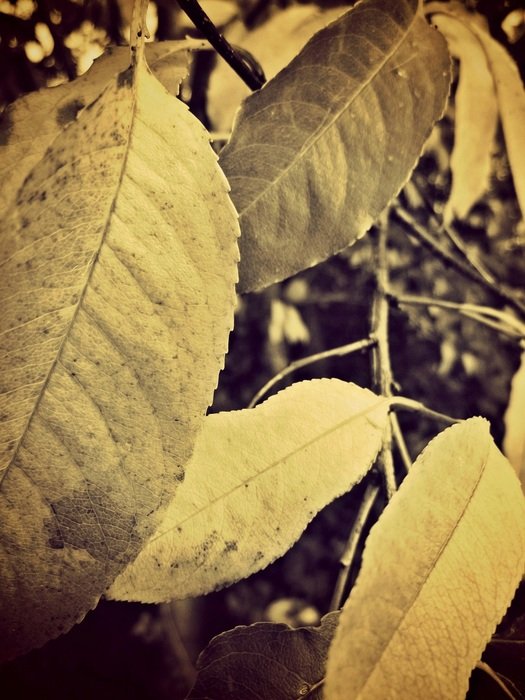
(125,78)
(43,196)
(68,112)
(230,546)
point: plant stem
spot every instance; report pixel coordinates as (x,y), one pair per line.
(414,229)
(243,65)
(482,666)
(382,369)
(505,323)
(347,558)
(304,361)
(399,439)
(138,31)
(418,407)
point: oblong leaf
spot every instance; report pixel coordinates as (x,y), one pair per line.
(321,149)
(256,479)
(117,272)
(265,660)
(29,125)
(476,118)
(439,569)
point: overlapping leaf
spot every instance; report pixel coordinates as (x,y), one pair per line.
(439,570)
(509,88)
(321,149)
(265,660)
(117,269)
(29,125)
(256,479)
(476,118)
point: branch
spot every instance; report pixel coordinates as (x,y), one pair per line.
(242,63)
(381,366)
(414,229)
(340,351)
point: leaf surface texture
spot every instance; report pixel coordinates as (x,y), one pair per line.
(256,479)
(321,149)
(265,660)
(439,571)
(113,329)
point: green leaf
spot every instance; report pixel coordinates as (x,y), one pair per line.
(29,126)
(256,479)
(265,660)
(117,271)
(509,90)
(274,44)
(476,118)
(321,149)
(439,569)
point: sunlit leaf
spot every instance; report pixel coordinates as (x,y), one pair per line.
(256,479)
(439,571)
(321,149)
(117,270)
(514,440)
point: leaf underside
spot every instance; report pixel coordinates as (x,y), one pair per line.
(321,149)
(113,329)
(439,570)
(256,479)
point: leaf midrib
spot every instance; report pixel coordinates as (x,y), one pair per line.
(310,143)
(89,274)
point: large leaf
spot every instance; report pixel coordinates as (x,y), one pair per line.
(29,125)
(439,570)
(476,118)
(274,44)
(265,660)
(117,270)
(509,90)
(256,479)
(319,151)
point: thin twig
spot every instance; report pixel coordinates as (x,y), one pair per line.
(508,325)
(482,666)
(382,369)
(412,405)
(340,351)
(470,256)
(242,64)
(399,439)
(414,229)
(347,558)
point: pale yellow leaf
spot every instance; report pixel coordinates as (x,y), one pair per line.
(256,479)
(509,91)
(439,570)
(117,271)
(273,44)
(476,118)
(29,126)
(514,440)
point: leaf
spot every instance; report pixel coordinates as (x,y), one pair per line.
(29,126)
(439,569)
(514,440)
(476,119)
(274,44)
(265,660)
(509,91)
(321,149)
(117,271)
(256,479)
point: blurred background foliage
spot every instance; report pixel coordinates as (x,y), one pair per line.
(450,363)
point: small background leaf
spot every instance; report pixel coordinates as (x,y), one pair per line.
(514,440)
(354,102)
(265,660)
(476,118)
(439,570)
(256,479)
(29,125)
(113,329)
